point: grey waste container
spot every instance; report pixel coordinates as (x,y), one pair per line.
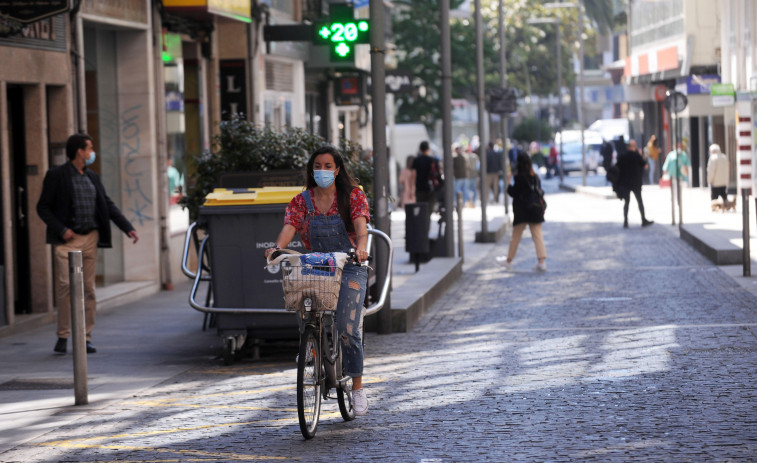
(242,224)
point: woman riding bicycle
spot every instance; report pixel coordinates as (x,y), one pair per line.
(331,215)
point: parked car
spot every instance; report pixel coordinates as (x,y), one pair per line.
(571,150)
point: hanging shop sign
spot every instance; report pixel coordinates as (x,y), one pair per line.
(117,9)
(235,9)
(28,11)
(722,95)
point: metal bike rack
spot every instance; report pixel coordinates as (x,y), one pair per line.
(378,305)
(199,277)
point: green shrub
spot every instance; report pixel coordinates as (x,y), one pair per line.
(532,129)
(243,147)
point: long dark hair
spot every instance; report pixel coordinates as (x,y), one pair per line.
(523,165)
(344,183)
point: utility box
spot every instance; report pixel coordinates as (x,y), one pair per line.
(242,223)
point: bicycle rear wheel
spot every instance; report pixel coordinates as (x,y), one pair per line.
(309,383)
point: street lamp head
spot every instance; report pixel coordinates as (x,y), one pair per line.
(541,21)
(560,5)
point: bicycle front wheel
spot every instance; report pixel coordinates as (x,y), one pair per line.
(344,397)
(309,383)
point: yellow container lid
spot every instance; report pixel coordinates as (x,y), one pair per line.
(250,196)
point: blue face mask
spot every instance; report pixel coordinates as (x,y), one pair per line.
(91,159)
(323,178)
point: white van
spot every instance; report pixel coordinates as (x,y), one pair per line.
(612,129)
(571,149)
(407,138)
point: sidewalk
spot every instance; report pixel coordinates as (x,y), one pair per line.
(717,235)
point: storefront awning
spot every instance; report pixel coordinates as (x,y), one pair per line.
(204,9)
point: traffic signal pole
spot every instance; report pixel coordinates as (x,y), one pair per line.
(446,64)
(380,160)
(503,117)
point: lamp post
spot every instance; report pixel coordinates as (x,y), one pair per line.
(578,5)
(556,22)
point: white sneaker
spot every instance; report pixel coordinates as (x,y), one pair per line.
(541,267)
(360,402)
(502,260)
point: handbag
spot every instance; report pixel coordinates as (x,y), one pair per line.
(435,179)
(664,181)
(536,202)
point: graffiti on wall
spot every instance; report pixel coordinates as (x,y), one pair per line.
(138,202)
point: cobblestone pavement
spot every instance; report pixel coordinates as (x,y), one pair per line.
(632,347)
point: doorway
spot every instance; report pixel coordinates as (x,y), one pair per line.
(19,199)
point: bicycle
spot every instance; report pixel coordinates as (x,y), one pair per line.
(311,287)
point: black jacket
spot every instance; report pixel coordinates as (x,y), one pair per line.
(56,206)
(631,168)
(520,191)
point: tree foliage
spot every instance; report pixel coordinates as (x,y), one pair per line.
(532,129)
(530,49)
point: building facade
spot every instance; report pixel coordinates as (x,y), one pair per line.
(685,46)
(149,81)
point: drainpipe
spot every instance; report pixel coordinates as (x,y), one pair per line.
(161,151)
(78,61)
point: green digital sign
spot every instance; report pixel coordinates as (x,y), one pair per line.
(341,37)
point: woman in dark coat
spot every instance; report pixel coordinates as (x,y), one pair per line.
(526,192)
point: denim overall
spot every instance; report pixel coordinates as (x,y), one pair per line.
(329,234)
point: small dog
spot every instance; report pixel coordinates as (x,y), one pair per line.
(719,205)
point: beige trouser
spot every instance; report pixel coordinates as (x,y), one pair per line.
(492,184)
(87,244)
(541,251)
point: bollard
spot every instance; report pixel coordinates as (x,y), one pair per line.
(679,193)
(78,330)
(460,226)
(746,253)
(672,203)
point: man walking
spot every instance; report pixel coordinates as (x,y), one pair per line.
(493,171)
(77,212)
(631,167)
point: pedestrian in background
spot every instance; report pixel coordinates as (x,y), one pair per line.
(717,174)
(427,174)
(606,152)
(651,155)
(631,167)
(493,171)
(620,146)
(407,182)
(77,212)
(513,152)
(552,160)
(677,156)
(460,170)
(537,157)
(526,185)
(473,172)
